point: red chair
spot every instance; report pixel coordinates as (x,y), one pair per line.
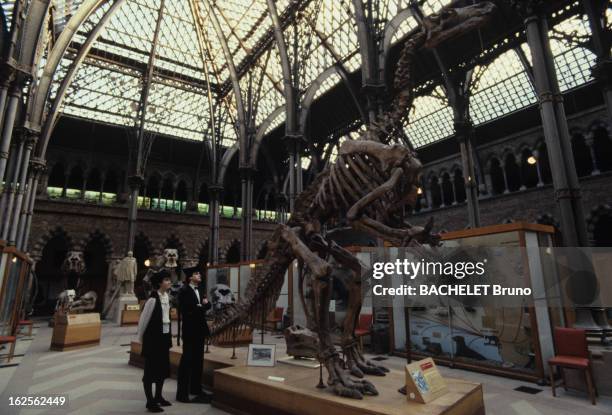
(275,317)
(572,353)
(364,328)
(26,323)
(9,340)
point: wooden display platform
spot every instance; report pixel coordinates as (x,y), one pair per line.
(130,317)
(217,358)
(247,390)
(75,331)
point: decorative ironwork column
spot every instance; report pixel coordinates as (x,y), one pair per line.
(554,123)
(246,223)
(215,192)
(37,169)
(30,139)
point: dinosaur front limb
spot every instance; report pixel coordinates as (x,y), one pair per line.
(357,209)
(397,236)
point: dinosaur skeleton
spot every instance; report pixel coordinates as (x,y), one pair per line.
(370,183)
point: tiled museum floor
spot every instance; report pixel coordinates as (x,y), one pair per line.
(98,380)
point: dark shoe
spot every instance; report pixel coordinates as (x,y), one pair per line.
(162,402)
(202,399)
(154,407)
(183,399)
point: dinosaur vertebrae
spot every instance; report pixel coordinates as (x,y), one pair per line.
(388,125)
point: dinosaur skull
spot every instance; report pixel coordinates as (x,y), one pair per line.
(74,262)
(170,258)
(450,23)
(70,296)
(301,342)
(221,296)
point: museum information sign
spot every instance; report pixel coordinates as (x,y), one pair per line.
(424,383)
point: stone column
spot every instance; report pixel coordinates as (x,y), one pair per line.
(503,167)
(452,183)
(441,190)
(281,208)
(536,154)
(589,141)
(520,166)
(102,181)
(488,182)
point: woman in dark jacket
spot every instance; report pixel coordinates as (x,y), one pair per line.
(154,333)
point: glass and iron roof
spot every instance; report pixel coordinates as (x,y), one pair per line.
(189,59)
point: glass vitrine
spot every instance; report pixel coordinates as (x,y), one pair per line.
(14,268)
(484,335)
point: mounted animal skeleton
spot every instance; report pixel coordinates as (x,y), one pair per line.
(167,261)
(68,300)
(369,184)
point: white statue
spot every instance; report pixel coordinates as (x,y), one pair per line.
(125,273)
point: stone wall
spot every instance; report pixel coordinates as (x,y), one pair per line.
(531,205)
(80,221)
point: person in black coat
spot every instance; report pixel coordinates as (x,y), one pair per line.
(155,335)
(193,305)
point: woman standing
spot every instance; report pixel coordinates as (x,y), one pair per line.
(154,333)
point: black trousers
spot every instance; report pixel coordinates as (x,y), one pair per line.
(189,376)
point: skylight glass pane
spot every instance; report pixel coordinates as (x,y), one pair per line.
(430,120)
(176,111)
(103,94)
(503,87)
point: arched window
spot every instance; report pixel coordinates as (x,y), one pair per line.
(459,186)
(513,175)
(529,171)
(75,182)
(181,196)
(233,253)
(447,190)
(497,177)
(582,155)
(602,145)
(436,194)
(57,176)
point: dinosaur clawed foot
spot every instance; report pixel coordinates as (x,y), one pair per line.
(360,366)
(343,384)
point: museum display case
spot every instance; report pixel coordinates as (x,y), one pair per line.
(14,271)
(514,341)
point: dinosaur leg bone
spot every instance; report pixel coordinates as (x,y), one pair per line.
(339,377)
(355,361)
